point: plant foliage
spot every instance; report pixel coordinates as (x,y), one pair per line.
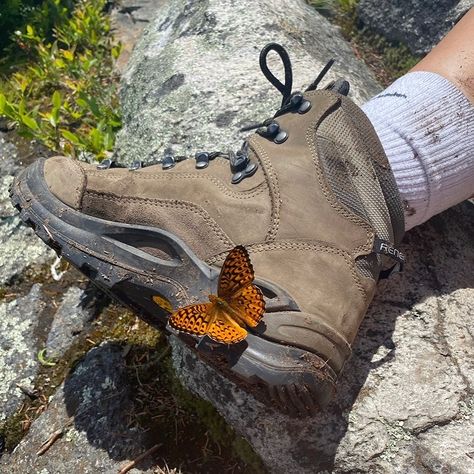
(16,14)
(66,95)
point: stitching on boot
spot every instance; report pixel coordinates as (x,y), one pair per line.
(174,204)
(79,191)
(300,246)
(246,194)
(273,188)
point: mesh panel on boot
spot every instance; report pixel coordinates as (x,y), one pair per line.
(357,180)
(352,150)
(382,168)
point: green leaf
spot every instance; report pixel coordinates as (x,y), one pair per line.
(30,122)
(70,136)
(3,103)
(82,103)
(92,104)
(67,54)
(29,30)
(56,99)
(59,63)
(109,139)
(96,139)
(43,360)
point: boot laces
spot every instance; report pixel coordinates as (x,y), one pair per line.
(241,165)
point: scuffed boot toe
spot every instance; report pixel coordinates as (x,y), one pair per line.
(66,179)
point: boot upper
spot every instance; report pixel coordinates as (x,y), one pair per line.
(309,215)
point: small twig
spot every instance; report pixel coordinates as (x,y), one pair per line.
(53,438)
(133,463)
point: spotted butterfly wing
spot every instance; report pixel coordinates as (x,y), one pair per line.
(225,330)
(236,273)
(193,319)
(235,288)
(250,304)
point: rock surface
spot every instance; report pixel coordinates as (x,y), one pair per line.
(20,247)
(98,395)
(419,24)
(76,310)
(405,400)
(194,77)
(18,349)
(128,18)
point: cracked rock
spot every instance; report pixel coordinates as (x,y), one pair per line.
(455,441)
(75,312)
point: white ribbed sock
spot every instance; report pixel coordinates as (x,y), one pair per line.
(426,126)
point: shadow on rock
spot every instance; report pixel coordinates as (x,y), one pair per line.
(99,395)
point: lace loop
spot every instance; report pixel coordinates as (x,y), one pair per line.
(240,163)
(285,89)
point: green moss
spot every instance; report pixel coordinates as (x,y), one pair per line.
(220,432)
(12,430)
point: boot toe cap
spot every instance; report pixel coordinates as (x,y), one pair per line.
(65,179)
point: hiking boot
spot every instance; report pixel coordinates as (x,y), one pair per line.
(310,195)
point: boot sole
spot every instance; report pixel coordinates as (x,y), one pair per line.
(294,380)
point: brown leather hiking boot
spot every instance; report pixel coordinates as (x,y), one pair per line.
(310,195)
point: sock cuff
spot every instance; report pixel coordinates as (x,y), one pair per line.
(426,126)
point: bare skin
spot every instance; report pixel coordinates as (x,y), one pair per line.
(453,57)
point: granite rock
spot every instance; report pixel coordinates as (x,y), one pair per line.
(419,24)
(91,409)
(194,77)
(20,247)
(18,349)
(128,19)
(77,309)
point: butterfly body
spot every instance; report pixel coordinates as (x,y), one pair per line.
(238,304)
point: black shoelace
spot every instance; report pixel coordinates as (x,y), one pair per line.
(240,163)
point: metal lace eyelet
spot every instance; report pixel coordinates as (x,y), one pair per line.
(105,164)
(136,165)
(281,137)
(248,171)
(272,129)
(202,160)
(304,107)
(168,162)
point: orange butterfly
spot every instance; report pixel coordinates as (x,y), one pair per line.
(238,303)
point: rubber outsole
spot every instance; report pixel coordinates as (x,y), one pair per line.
(134,263)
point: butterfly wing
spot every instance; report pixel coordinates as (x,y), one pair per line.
(249,303)
(193,319)
(236,273)
(225,330)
